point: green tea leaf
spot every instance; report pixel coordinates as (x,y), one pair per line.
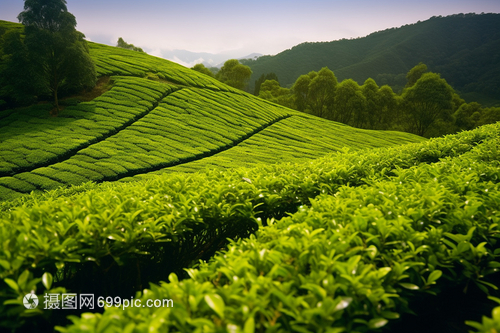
(216,303)
(11,283)
(249,325)
(377,323)
(410,286)
(47,280)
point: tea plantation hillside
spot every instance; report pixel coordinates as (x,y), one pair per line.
(349,242)
(158,115)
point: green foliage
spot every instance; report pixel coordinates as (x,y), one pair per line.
(349,102)
(455,46)
(16,80)
(321,93)
(141,126)
(488,324)
(59,52)
(472,115)
(121,43)
(270,90)
(262,79)
(202,69)
(234,74)
(365,234)
(428,100)
(415,74)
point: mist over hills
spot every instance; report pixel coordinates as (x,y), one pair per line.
(189,58)
(464,48)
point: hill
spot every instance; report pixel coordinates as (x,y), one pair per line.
(461,48)
(158,115)
(332,238)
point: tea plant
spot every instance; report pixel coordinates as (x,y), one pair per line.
(396,221)
(351,261)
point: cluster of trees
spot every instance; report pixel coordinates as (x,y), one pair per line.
(232,73)
(457,47)
(49,57)
(428,105)
(124,45)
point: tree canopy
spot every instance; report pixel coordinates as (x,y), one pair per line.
(261,79)
(56,52)
(234,74)
(202,69)
(428,100)
(124,45)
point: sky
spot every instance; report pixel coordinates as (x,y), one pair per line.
(238,28)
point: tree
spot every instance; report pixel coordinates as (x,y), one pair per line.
(414,74)
(428,100)
(322,93)
(387,117)
(202,69)
(271,91)
(349,103)
(373,108)
(234,74)
(315,92)
(301,90)
(58,51)
(467,116)
(16,80)
(261,79)
(124,45)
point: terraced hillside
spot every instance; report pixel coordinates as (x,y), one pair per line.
(160,117)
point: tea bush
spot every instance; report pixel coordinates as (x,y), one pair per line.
(124,138)
(384,225)
(351,261)
(156,116)
(28,136)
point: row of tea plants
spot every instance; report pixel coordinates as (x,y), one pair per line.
(367,232)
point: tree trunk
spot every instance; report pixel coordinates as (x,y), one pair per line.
(56,102)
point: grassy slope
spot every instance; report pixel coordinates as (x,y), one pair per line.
(159,116)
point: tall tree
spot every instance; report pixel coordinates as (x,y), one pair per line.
(261,79)
(349,103)
(322,93)
(373,108)
(301,90)
(58,50)
(387,116)
(234,74)
(429,99)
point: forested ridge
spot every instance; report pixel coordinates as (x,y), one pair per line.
(460,47)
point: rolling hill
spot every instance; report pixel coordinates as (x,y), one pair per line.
(260,218)
(462,48)
(158,116)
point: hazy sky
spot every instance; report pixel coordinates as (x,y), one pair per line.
(243,27)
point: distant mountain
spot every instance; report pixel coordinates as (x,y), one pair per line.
(463,48)
(189,59)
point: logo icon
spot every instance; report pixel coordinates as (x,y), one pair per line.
(30,301)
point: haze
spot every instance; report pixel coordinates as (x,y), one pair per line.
(238,28)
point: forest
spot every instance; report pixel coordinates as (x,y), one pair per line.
(455,46)
(428,106)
